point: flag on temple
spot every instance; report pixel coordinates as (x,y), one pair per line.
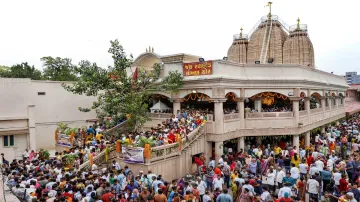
(268,4)
(135,76)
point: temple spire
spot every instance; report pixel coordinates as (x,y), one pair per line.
(241,29)
(298,23)
(269,5)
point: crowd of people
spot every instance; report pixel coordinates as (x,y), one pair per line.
(326,170)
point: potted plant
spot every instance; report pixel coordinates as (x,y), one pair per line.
(62,127)
(70,159)
(44,154)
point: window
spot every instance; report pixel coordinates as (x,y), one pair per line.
(9,140)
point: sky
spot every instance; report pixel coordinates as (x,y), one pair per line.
(82,29)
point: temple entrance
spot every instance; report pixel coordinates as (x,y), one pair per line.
(197,101)
(159,104)
(268,141)
(270,102)
(315,101)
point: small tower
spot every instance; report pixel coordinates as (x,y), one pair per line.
(238,50)
(298,48)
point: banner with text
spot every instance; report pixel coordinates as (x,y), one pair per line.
(197,68)
(133,155)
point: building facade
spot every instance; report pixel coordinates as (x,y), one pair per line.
(30,111)
(352,78)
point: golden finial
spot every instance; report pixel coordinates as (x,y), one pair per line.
(241,29)
(269,5)
(298,23)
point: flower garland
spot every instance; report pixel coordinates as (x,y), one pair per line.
(231,96)
(194,96)
(266,94)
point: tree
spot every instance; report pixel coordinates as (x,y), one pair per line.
(23,70)
(58,69)
(122,92)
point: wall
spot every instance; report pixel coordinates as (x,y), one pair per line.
(10,153)
(15,94)
(57,105)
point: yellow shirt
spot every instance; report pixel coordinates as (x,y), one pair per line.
(277,150)
(98,136)
(233,177)
(295,162)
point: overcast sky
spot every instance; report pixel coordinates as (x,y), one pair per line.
(82,29)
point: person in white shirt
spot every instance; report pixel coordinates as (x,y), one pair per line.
(303,167)
(26,154)
(313,170)
(312,186)
(279,177)
(206,197)
(294,172)
(337,177)
(221,160)
(201,185)
(94,168)
(265,196)
(319,165)
(218,183)
(116,165)
(271,180)
(283,190)
(330,164)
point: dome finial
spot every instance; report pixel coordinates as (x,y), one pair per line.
(298,23)
(269,5)
(241,29)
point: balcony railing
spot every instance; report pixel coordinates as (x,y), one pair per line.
(316,110)
(303,113)
(160,115)
(229,117)
(269,114)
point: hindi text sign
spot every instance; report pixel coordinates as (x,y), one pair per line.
(197,68)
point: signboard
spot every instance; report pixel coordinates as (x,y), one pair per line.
(197,68)
(133,155)
(63,140)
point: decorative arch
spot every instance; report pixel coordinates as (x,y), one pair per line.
(302,95)
(196,96)
(147,60)
(271,94)
(231,96)
(316,95)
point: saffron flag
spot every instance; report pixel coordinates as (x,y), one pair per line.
(268,4)
(135,76)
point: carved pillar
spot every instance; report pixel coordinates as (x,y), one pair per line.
(176,105)
(307,139)
(219,151)
(219,115)
(241,143)
(258,140)
(32,129)
(296,142)
(257,104)
(241,108)
(295,105)
(323,103)
(307,108)
(208,151)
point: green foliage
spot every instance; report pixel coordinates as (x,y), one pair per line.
(117,93)
(58,69)
(144,140)
(44,154)
(70,158)
(62,127)
(23,70)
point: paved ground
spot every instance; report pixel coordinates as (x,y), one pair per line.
(5,193)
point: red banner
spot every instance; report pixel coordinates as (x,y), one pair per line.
(197,68)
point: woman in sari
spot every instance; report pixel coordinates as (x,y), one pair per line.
(237,188)
(265,165)
(245,196)
(31,155)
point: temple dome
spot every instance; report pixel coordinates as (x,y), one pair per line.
(260,35)
(298,48)
(238,50)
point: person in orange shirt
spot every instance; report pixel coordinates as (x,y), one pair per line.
(217,170)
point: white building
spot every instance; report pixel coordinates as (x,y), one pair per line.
(30,111)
